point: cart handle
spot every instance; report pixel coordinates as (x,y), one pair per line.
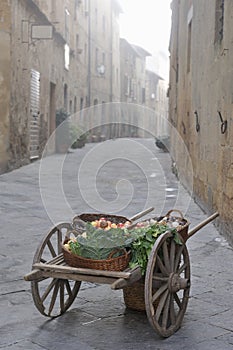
(174,210)
(142,213)
(202,224)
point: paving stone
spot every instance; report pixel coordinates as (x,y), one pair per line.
(98,319)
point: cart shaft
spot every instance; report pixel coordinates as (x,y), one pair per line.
(202,224)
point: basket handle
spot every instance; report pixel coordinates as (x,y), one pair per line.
(175,210)
(117,250)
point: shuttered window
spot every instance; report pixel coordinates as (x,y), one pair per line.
(34,114)
(219,20)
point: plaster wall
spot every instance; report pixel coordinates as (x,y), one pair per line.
(5,69)
(198,94)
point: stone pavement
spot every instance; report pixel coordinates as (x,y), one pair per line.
(98,318)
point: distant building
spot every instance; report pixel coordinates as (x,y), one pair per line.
(133,72)
(157,100)
(133,84)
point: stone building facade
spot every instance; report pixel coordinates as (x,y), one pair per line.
(157,100)
(55,55)
(133,86)
(201,101)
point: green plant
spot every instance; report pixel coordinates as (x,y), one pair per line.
(78,136)
(99,243)
(62,131)
(61,116)
(142,246)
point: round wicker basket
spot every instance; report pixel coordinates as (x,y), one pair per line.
(89,217)
(118,263)
(181,229)
(134,296)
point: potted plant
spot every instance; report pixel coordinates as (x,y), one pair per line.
(62,131)
(78,137)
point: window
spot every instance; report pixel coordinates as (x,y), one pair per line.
(103,58)
(85,52)
(70,106)
(67,25)
(96,58)
(126,85)
(96,17)
(117,76)
(81,103)
(189,43)
(65,97)
(67,56)
(189,46)
(143,95)
(75,104)
(219,20)
(104,24)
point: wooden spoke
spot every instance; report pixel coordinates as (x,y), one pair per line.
(172,254)
(160,277)
(166,257)
(172,310)
(166,305)
(68,288)
(162,267)
(160,291)
(53,296)
(161,304)
(177,258)
(166,311)
(59,240)
(48,289)
(52,251)
(181,269)
(62,295)
(177,300)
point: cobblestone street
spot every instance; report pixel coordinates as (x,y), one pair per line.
(98,319)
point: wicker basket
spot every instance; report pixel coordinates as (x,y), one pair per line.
(92,217)
(134,296)
(183,229)
(112,263)
(118,263)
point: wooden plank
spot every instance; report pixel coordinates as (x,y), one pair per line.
(33,275)
(120,283)
(59,259)
(81,271)
(78,277)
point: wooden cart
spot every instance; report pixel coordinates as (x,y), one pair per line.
(55,285)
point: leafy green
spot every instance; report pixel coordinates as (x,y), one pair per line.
(142,246)
(99,244)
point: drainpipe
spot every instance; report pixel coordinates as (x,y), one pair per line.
(89,56)
(111,53)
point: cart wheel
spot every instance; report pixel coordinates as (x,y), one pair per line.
(53,296)
(167,285)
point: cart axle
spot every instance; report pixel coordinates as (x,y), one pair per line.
(176,283)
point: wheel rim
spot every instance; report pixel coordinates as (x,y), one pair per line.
(167,285)
(53,296)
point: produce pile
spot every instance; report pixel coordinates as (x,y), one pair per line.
(101,237)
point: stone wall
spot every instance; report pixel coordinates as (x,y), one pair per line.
(200,95)
(5,68)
